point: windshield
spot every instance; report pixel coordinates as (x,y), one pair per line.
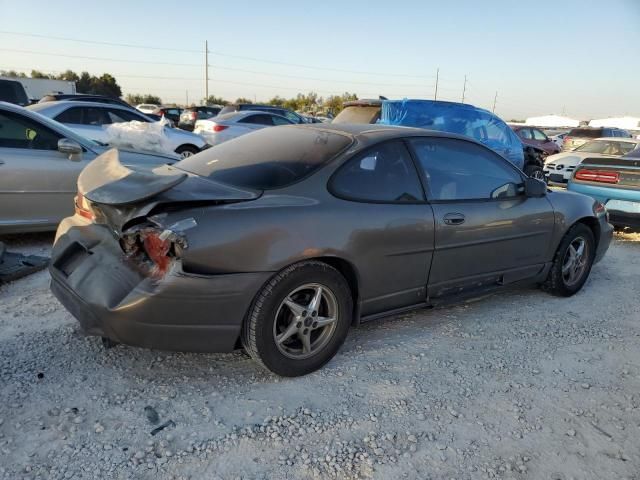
(269,158)
(606,147)
(353,114)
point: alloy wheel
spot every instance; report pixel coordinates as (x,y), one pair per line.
(575,261)
(305,321)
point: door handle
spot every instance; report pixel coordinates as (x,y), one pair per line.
(1,162)
(453,219)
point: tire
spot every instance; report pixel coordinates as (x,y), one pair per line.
(534,171)
(187,150)
(270,319)
(560,282)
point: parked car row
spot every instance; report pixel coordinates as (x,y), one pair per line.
(90,118)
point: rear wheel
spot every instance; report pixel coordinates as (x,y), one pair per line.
(299,320)
(187,150)
(572,262)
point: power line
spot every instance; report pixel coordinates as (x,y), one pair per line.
(220,67)
(253,59)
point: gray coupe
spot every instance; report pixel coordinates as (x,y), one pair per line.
(280,240)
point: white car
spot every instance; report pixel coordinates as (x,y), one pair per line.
(147,107)
(558,139)
(234,124)
(559,168)
(92,120)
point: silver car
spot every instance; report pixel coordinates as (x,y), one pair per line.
(40,161)
(90,120)
(226,126)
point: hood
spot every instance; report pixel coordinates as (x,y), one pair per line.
(107,181)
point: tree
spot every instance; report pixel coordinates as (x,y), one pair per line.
(84,84)
(137,99)
(334,104)
(243,100)
(213,100)
(106,85)
(12,73)
(39,74)
(277,101)
(69,76)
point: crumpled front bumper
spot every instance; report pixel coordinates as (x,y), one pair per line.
(110,297)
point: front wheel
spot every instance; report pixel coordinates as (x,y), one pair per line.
(299,320)
(572,262)
(534,171)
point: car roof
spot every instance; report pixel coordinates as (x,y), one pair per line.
(368,134)
(78,103)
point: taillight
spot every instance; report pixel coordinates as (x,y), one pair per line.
(219,128)
(600,176)
(193,115)
(83,208)
(157,249)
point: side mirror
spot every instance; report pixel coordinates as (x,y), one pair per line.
(69,147)
(534,187)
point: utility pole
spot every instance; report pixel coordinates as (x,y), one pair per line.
(435,95)
(464,88)
(187,96)
(206,70)
(495,99)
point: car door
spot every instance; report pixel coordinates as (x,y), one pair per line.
(487,231)
(390,238)
(544,142)
(86,121)
(37,182)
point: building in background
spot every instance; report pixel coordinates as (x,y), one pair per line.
(552,121)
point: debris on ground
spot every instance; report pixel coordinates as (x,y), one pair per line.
(16,265)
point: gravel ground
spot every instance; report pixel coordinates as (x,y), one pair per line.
(518,385)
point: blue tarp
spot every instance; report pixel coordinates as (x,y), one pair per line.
(460,118)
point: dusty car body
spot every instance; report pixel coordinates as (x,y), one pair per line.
(281,239)
(40,161)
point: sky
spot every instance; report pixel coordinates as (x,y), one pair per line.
(578,58)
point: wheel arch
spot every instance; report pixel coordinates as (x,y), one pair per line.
(184,146)
(593,225)
(343,266)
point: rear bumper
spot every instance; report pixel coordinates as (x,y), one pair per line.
(606,235)
(109,297)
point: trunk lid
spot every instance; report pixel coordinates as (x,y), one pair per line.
(603,169)
(121,193)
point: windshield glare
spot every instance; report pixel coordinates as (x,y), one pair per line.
(605,147)
(269,158)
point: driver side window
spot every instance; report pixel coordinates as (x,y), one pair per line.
(461,170)
(17,131)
